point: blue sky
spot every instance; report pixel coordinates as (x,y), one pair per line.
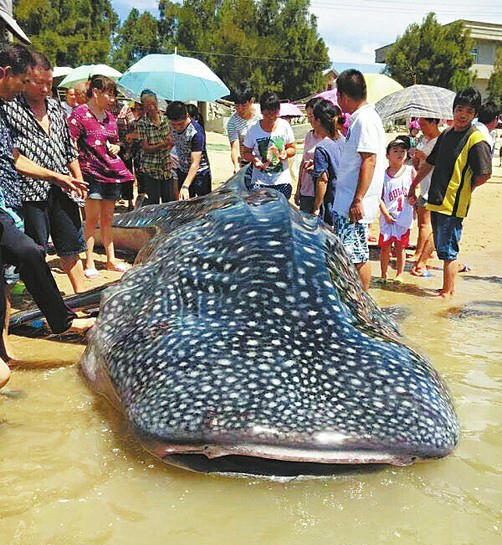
(353,29)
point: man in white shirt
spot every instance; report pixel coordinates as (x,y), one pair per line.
(488,118)
(245,116)
(362,168)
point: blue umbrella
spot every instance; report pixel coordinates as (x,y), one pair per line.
(173,77)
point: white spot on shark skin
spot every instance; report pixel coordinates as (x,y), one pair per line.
(224,361)
(315,334)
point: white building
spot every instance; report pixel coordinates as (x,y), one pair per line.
(487,38)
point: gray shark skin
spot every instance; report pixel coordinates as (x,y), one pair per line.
(242,342)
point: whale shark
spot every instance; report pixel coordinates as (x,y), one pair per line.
(242,343)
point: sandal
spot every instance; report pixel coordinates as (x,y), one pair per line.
(91,273)
(118,267)
(81,325)
(421,273)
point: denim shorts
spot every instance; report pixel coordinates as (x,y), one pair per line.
(447,231)
(354,237)
(58,217)
(100,191)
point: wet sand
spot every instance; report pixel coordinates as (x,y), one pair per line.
(71,473)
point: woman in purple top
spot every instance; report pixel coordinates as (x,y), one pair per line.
(95,130)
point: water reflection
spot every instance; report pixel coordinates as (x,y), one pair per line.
(71,473)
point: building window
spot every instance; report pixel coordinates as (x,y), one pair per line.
(475,54)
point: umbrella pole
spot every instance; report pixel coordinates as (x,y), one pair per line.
(174,72)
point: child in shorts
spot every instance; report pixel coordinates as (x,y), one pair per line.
(396,214)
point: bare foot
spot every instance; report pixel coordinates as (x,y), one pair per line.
(442,295)
(81,325)
(4,373)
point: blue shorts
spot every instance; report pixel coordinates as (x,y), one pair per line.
(354,237)
(447,231)
(100,191)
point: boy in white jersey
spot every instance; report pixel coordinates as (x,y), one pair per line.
(396,214)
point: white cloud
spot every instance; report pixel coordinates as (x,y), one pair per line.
(340,53)
(353,31)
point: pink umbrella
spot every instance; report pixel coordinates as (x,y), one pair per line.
(328,95)
(331,96)
(289,109)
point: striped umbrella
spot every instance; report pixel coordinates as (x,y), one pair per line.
(417,101)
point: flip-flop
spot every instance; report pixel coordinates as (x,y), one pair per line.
(464,268)
(91,273)
(423,274)
(82,326)
(119,267)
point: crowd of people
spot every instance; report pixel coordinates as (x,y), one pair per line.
(64,161)
(60,162)
(349,177)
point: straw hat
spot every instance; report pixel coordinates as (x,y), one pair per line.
(10,22)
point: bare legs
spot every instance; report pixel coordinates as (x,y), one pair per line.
(72,266)
(99,211)
(427,251)
(385,252)
(92,210)
(450,269)
(364,270)
(107,208)
(424,230)
(384,260)
(400,262)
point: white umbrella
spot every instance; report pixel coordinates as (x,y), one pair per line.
(61,71)
(86,71)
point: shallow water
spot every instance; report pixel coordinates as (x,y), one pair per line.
(71,474)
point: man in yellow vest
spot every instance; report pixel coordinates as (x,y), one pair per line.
(462,160)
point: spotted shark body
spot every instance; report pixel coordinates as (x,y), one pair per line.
(243,342)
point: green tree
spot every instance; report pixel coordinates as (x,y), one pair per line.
(432,54)
(137,36)
(272,43)
(495,81)
(69,32)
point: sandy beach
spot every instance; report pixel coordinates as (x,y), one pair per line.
(481,246)
(72,472)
